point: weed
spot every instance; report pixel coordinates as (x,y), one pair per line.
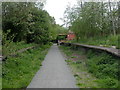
(83,78)
(17,72)
(73,56)
(109,41)
(101,65)
(108,83)
(12,47)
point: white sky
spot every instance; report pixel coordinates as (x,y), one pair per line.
(56,8)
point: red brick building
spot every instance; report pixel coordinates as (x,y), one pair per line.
(70,35)
(66,37)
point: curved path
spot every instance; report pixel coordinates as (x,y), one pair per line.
(54,72)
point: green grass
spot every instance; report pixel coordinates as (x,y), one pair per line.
(108,41)
(105,67)
(0,75)
(84,79)
(0,61)
(18,71)
(11,47)
(93,69)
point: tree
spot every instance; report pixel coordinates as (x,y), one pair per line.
(28,22)
(111,18)
(93,19)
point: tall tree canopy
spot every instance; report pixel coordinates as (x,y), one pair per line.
(27,21)
(93,19)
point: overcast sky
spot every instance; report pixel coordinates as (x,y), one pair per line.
(56,8)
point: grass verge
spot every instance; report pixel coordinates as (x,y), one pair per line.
(109,41)
(92,69)
(77,62)
(0,75)
(11,47)
(17,72)
(105,67)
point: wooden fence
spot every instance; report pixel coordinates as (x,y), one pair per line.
(15,53)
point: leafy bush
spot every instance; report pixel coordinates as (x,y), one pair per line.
(104,66)
(108,83)
(26,22)
(18,71)
(8,46)
(102,41)
(11,47)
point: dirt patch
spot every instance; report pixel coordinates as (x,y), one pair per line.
(78,57)
(77,63)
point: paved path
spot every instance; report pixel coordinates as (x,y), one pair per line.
(54,72)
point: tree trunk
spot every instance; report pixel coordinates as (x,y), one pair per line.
(118,3)
(112,19)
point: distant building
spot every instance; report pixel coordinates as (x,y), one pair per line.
(65,37)
(70,35)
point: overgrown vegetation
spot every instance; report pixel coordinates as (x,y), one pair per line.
(27,21)
(109,41)
(93,69)
(76,61)
(11,47)
(0,75)
(17,72)
(25,24)
(105,67)
(95,23)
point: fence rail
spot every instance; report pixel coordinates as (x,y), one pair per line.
(15,53)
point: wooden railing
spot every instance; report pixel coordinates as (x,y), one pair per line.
(15,53)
